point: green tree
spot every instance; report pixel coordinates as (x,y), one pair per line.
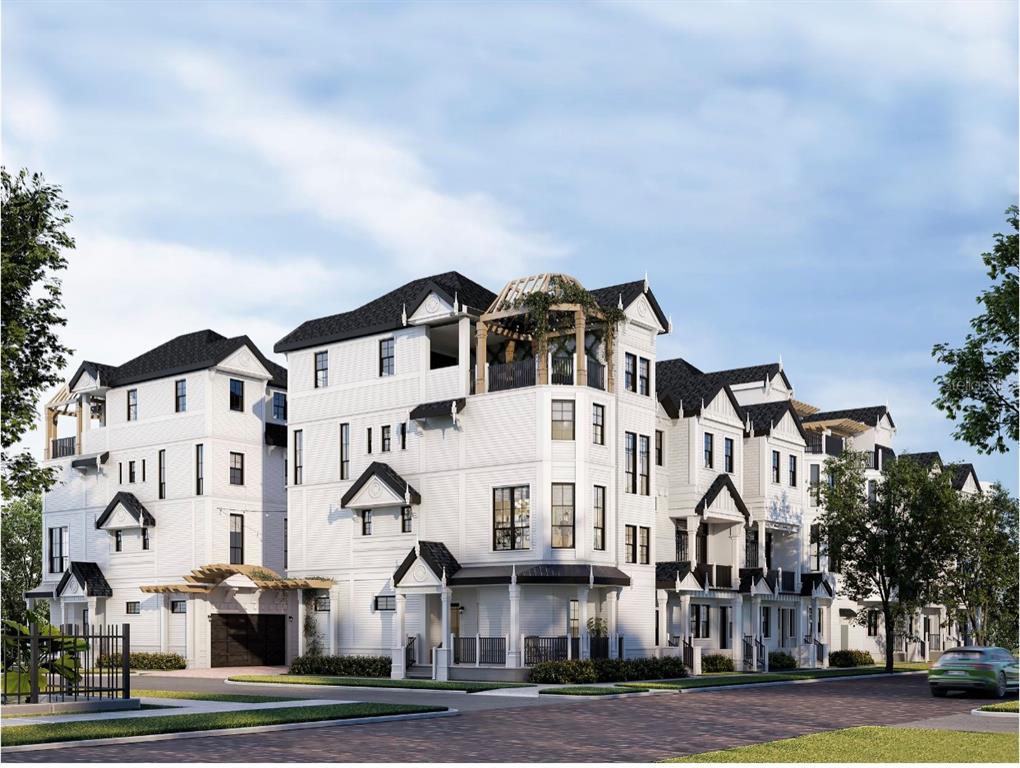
(893,543)
(21,564)
(980,585)
(980,390)
(34,239)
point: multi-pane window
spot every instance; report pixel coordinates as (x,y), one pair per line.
(321,604)
(709,450)
(236,539)
(815,547)
(511,518)
(599,514)
(132,608)
(793,471)
(872,623)
(280,406)
(562,515)
(681,540)
(766,621)
(658,447)
(118,541)
(816,484)
(728,455)
(598,424)
(644,545)
(562,419)
(131,471)
(60,547)
(368,440)
(345,451)
(775,467)
(178,606)
(386,602)
(132,405)
(406,520)
(366,522)
(386,357)
(630,372)
(630,543)
(321,369)
(700,620)
(236,395)
(574,619)
(299,456)
(403,435)
(199,469)
(643,376)
(180,395)
(385,437)
(236,468)
(145,539)
(643,469)
(630,462)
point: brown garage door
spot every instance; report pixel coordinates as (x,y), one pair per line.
(244,640)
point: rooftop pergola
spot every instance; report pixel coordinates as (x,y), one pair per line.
(509,316)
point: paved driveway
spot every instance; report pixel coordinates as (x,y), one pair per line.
(638,729)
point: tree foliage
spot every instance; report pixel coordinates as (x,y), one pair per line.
(980,389)
(34,239)
(21,563)
(891,545)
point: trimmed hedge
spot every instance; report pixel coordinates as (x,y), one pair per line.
(144,661)
(342,666)
(716,662)
(606,670)
(851,659)
(781,660)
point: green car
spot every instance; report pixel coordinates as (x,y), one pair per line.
(974,668)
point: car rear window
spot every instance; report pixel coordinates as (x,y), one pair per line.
(962,655)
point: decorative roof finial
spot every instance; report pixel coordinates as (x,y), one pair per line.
(591,575)
(513,573)
(678,580)
(780,361)
(403,314)
(407,495)
(444,575)
(646,281)
(669,328)
(456,304)
(619,302)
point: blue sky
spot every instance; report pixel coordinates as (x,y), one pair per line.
(811,180)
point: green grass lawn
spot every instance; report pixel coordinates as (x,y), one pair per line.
(240,698)
(873,745)
(592,690)
(706,681)
(379,682)
(1002,706)
(45,733)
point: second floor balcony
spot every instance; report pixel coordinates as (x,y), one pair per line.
(62,447)
(561,371)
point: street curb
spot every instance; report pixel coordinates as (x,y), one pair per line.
(606,697)
(227,731)
(710,688)
(460,692)
(980,713)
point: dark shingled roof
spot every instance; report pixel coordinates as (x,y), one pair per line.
(869,415)
(926,459)
(666,572)
(276,434)
(752,373)
(960,474)
(678,383)
(435,554)
(808,582)
(384,313)
(751,576)
(610,296)
(190,352)
(722,481)
(90,576)
(132,505)
(388,476)
(437,409)
(764,416)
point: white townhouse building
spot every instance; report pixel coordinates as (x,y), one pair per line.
(169,508)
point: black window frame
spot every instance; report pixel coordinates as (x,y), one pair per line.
(133,608)
(792,464)
(728,458)
(132,477)
(366,522)
(766,621)
(559,529)
(299,456)
(814,484)
(58,561)
(644,545)
(777,471)
(237,397)
(368,440)
(181,396)
(872,622)
(320,604)
(701,621)
(709,450)
(385,439)
(403,435)
(560,422)
(118,541)
(681,543)
(630,372)
(598,424)
(345,451)
(236,539)
(659,438)
(573,618)
(236,468)
(385,603)
(644,375)
(406,520)
(178,606)
(630,462)
(280,406)
(644,466)
(132,405)
(387,357)
(321,369)
(515,532)
(146,541)
(199,469)
(598,506)
(630,543)
(161,474)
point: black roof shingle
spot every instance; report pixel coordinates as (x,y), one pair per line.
(90,576)
(134,507)
(869,415)
(611,296)
(679,384)
(764,416)
(388,476)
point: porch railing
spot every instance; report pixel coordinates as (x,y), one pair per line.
(748,653)
(68,663)
(934,642)
(689,654)
(464,650)
(513,375)
(724,576)
(539,649)
(492,650)
(598,647)
(596,374)
(562,370)
(62,446)
(410,654)
(762,652)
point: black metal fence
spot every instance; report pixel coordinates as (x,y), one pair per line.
(520,373)
(69,663)
(539,649)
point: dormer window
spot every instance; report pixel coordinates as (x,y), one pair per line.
(279,406)
(132,405)
(236,395)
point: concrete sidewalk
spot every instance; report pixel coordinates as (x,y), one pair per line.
(965,721)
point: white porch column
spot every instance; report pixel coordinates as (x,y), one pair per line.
(755,627)
(761,546)
(798,639)
(737,617)
(464,354)
(612,604)
(514,653)
(164,622)
(445,653)
(661,604)
(300,622)
(685,616)
(799,570)
(398,656)
(582,622)
(334,615)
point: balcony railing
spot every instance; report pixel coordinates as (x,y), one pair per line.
(598,647)
(724,576)
(538,649)
(596,374)
(562,370)
(514,375)
(815,443)
(62,446)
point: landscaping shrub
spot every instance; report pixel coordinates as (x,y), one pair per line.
(781,660)
(342,666)
(851,659)
(606,670)
(145,661)
(716,662)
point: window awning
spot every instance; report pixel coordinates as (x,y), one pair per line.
(90,461)
(439,409)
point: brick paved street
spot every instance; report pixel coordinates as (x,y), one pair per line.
(638,729)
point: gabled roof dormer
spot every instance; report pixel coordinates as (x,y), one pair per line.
(83,579)
(125,511)
(379,486)
(722,502)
